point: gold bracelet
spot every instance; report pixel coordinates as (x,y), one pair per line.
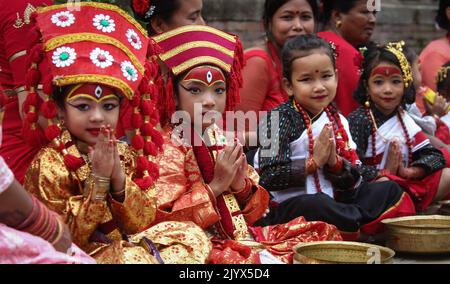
(102,186)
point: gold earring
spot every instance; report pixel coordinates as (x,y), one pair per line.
(338,24)
(367,103)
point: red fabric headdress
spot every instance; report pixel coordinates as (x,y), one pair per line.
(195,45)
(93,43)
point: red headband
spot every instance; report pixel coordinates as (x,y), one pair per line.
(206,75)
(94,92)
(386,71)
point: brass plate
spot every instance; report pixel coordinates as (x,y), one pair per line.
(419,234)
(335,252)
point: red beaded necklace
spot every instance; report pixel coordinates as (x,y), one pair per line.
(375,130)
(339,133)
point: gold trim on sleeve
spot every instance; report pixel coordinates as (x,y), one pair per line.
(17,55)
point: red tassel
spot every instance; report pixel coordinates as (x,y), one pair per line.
(37,53)
(144,183)
(31,100)
(147,107)
(136,120)
(146,129)
(144,87)
(157,138)
(167,101)
(33,137)
(52,132)
(48,110)
(47,86)
(137,142)
(33,77)
(142,165)
(73,163)
(141,6)
(32,117)
(150,149)
(135,101)
(60,146)
(153,170)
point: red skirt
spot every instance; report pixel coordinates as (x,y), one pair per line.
(421,191)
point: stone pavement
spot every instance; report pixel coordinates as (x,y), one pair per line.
(421,259)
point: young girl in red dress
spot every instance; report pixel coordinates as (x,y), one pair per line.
(207,180)
(390,143)
(310,165)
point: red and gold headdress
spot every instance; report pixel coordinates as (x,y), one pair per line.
(93,43)
(190,46)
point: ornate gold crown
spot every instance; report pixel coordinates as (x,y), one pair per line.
(396,48)
(442,73)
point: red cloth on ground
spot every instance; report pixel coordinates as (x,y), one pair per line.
(421,191)
(404,207)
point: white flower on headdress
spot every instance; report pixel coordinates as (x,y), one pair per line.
(64,56)
(129,71)
(104,23)
(134,39)
(63,19)
(101,58)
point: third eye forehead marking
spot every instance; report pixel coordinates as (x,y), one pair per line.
(317,71)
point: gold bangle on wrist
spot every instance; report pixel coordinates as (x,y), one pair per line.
(102,186)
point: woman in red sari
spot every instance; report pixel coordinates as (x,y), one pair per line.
(203,178)
(262,89)
(437,52)
(14,24)
(348,25)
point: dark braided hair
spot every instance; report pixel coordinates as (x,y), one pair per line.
(301,46)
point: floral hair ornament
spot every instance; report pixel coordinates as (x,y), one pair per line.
(183,51)
(396,48)
(97,48)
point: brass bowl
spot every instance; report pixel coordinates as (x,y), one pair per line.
(335,252)
(419,234)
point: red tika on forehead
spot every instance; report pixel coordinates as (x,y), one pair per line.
(207,75)
(386,71)
(95,92)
